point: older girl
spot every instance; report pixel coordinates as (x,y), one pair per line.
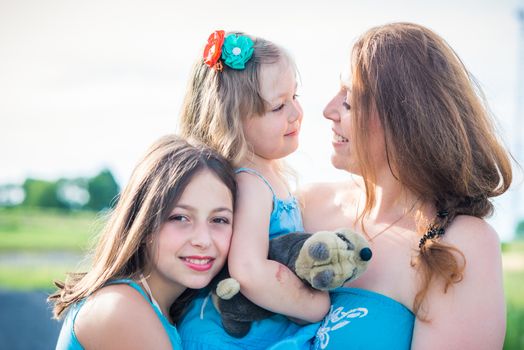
(169,233)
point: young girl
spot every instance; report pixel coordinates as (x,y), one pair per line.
(170,231)
(242,101)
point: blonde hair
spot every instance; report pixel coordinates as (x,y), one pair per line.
(439,136)
(216,103)
(155,186)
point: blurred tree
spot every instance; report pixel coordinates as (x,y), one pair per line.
(41,193)
(73,192)
(102,189)
(519,231)
(11,195)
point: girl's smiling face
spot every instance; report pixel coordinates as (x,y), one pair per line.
(192,245)
(274,135)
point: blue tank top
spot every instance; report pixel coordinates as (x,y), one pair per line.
(201,327)
(358,319)
(67,339)
(285,216)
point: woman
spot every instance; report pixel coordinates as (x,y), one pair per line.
(410,127)
(168,235)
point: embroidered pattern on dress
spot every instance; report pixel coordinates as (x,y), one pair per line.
(336,319)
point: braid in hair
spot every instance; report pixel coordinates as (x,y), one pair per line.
(436,257)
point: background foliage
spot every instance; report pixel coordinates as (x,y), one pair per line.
(96,193)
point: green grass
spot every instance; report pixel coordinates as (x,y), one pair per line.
(41,230)
(33,278)
(37,231)
(514,287)
(516,246)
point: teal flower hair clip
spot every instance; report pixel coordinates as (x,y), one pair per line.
(237,50)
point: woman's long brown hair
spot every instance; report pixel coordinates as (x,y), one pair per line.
(439,136)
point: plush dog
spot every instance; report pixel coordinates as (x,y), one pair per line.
(324,260)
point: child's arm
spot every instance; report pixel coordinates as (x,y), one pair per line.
(265,282)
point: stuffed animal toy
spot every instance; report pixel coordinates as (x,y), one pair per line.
(324,260)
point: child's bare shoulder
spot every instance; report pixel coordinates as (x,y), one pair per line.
(116,313)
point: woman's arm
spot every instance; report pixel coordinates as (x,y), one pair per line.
(265,282)
(471,315)
(118,317)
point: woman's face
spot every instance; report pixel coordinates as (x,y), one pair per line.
(338,110)
(344,141)
(193,243)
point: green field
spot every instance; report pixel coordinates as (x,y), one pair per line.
(513,255)
(37,236)
(39,230)
(48,234)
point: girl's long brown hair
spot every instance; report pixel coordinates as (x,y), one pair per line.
(439,136)
(155,186)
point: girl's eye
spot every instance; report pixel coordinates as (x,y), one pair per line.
(346,105)
(178,217)
(278,108)
(220,220)
(295,96)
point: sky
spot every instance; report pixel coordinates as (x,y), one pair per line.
(86,85)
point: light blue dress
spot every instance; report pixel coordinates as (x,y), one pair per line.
(201,327)
(286,216)
(358,319)
(67,339)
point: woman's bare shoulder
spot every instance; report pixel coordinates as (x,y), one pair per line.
(316,192)
(479,244)
(477,299)
(323,204)
(474,237)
